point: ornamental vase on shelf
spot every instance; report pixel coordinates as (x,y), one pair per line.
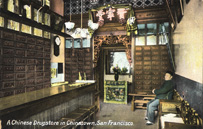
(116,76)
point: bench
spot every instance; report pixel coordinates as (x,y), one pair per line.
(140,100)
(82,114)
(177,114)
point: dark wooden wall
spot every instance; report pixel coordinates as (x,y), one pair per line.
(78,60)
(144,81)
(24,62)
(150,65)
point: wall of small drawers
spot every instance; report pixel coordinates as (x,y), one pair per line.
(78,60)
(24,63)
(151,63)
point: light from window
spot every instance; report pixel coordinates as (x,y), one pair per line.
(151,40)
(166,25)
(77,43)
(163,39)
(68,43)
(120,59)
(140,41)
(141,29)
(151,28)
(86,43)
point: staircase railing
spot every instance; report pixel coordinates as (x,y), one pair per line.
(166,41)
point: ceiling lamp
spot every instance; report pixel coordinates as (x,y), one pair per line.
(70,25)
(80,32)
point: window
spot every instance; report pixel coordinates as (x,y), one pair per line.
(117,58)
(141,29)
(140,41)
(86,43)
(78,43)
(69,43)
(152,34)
(151,40)
(163,33)
(151,29)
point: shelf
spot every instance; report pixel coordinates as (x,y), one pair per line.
(29,22)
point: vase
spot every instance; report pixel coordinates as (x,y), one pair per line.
(116,76)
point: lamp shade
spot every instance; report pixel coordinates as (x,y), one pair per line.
(69,25)
(92,25)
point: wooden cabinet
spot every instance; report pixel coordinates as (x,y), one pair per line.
(78,60)
(24,63)
(115,92)
(151,63)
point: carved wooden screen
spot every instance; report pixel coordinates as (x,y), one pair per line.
(151,63)
(111,40)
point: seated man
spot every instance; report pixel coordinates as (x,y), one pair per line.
(165,92)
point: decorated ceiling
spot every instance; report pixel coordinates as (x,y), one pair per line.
(74,6)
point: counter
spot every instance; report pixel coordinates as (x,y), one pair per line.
(23,106)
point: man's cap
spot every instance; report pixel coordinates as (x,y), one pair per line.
(170,72)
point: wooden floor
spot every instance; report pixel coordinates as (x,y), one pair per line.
(119,113)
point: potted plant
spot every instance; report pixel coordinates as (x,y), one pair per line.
(124,70)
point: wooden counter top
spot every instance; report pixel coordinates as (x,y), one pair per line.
(42,99)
